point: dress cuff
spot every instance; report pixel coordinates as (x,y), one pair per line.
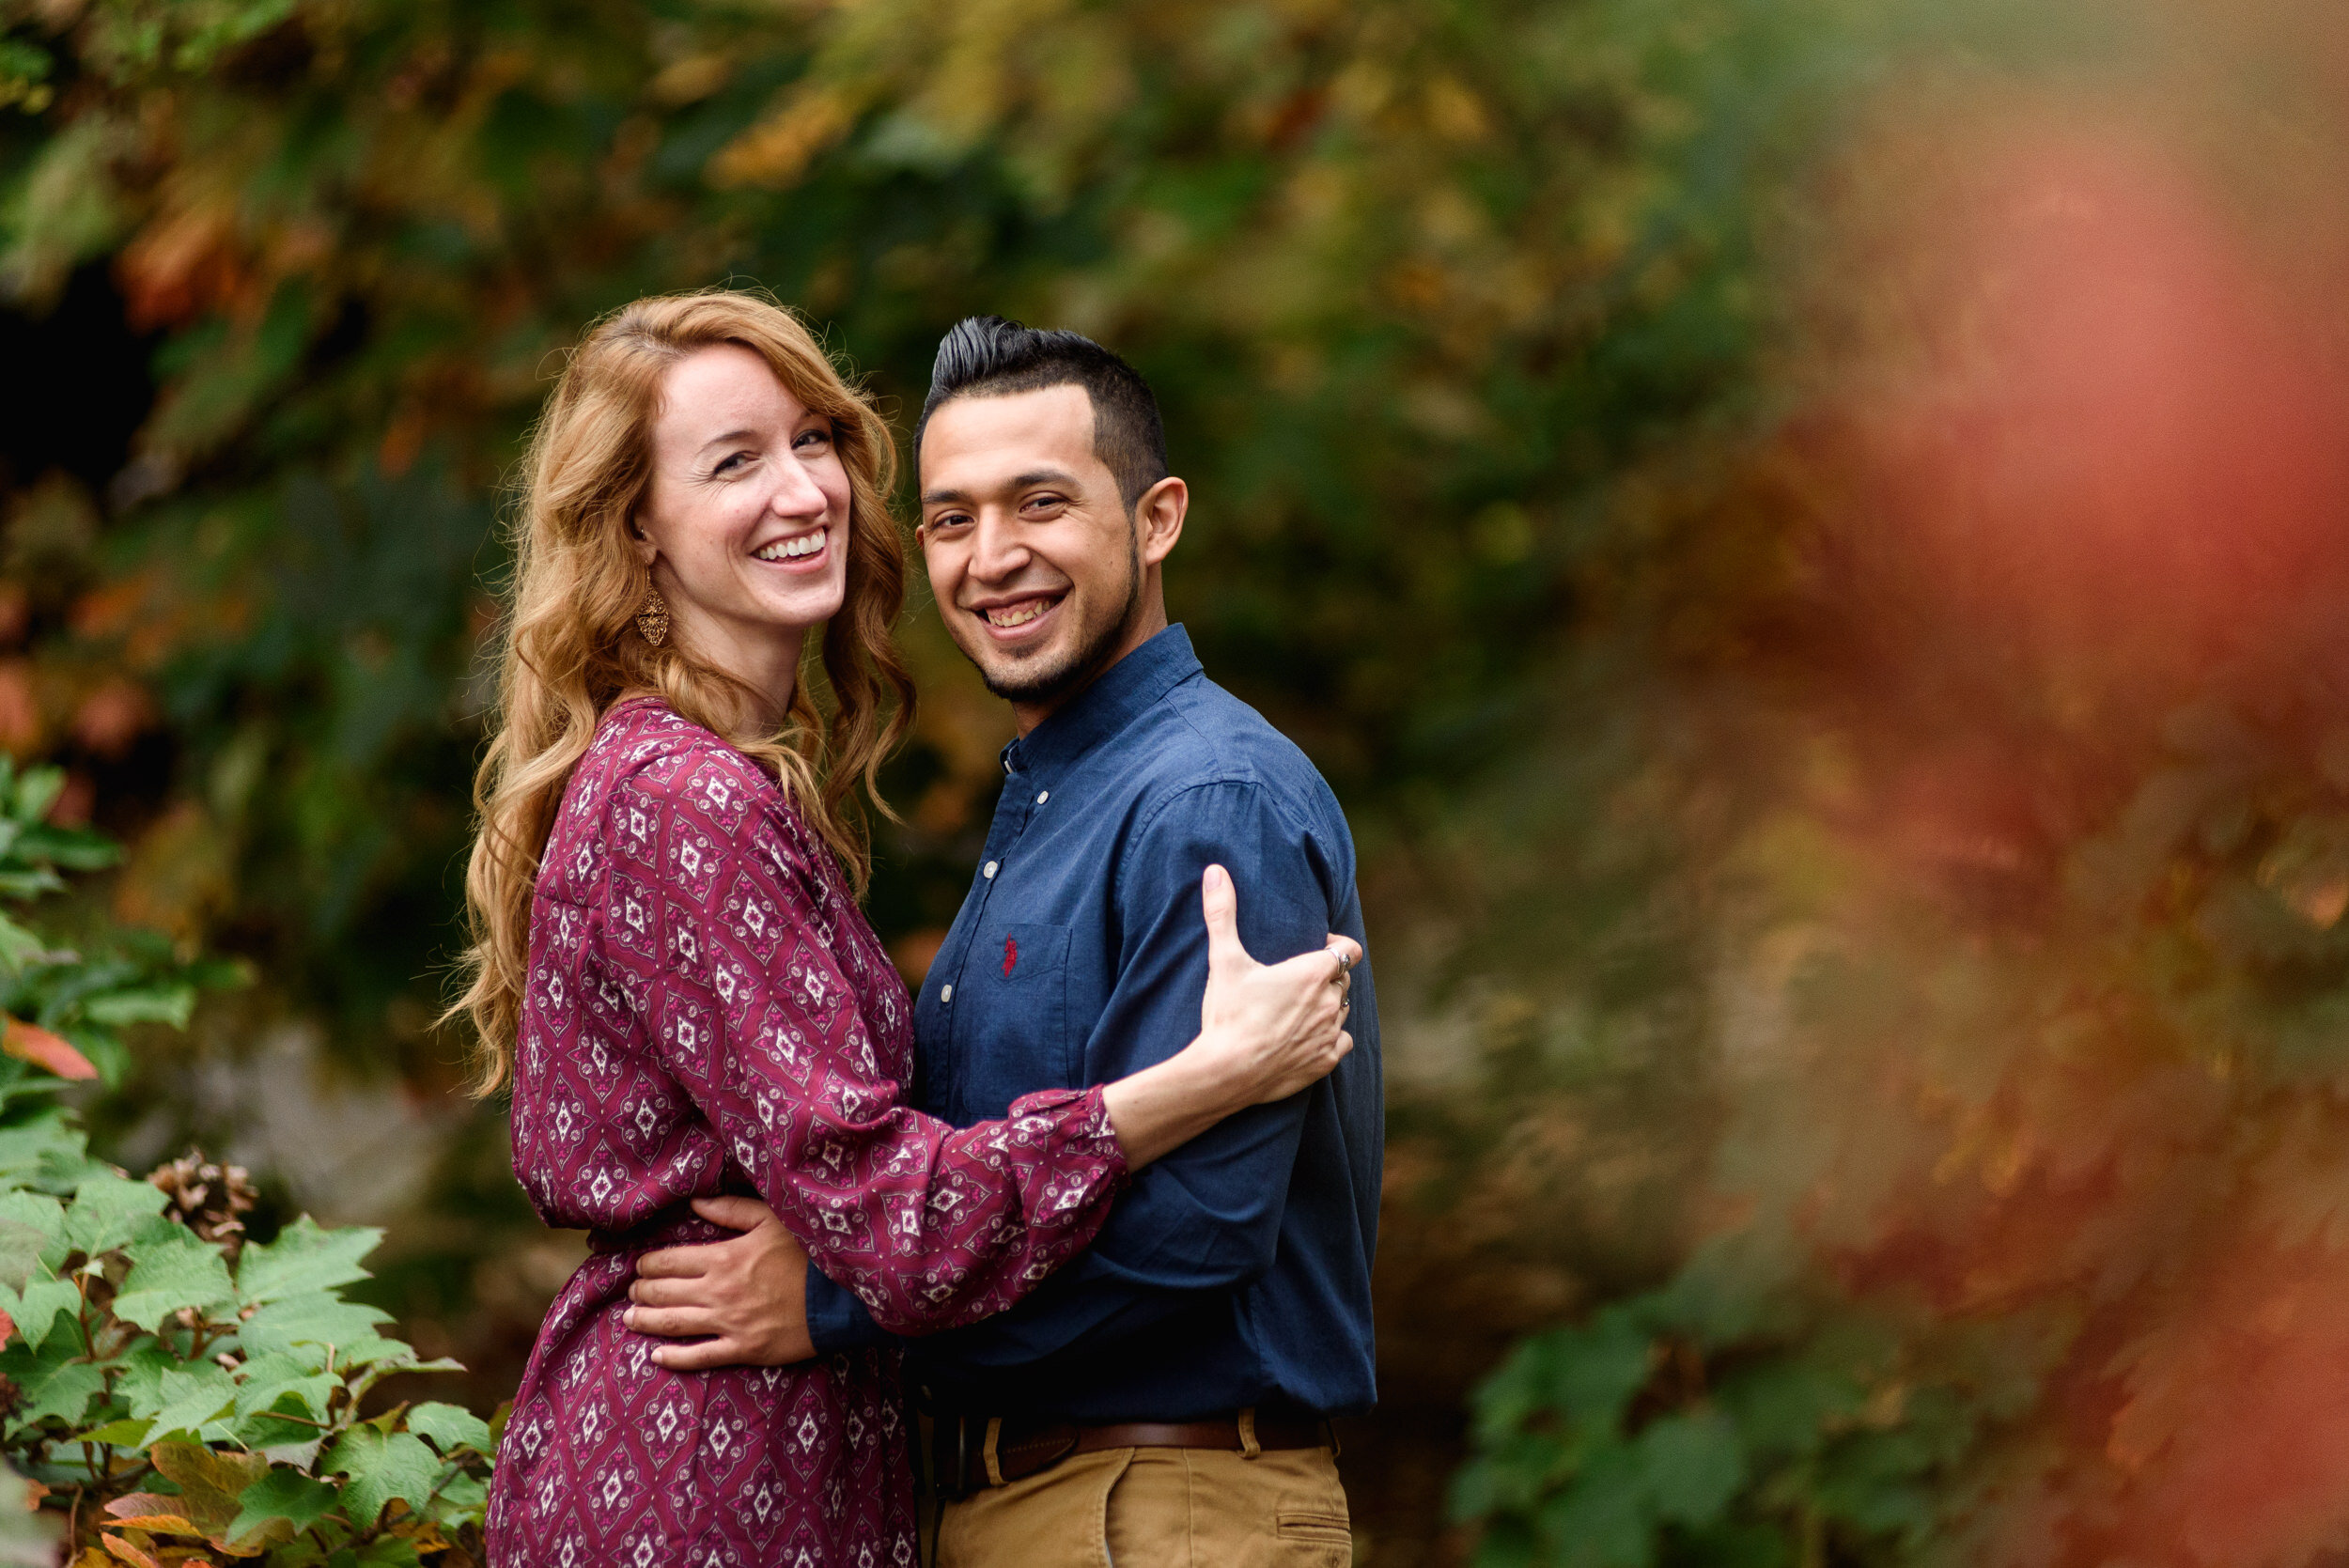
(1082,1129)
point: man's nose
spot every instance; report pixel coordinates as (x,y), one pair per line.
(997,550)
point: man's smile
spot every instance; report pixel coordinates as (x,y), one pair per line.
(1018,619)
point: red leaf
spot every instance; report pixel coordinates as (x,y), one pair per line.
(31,1042)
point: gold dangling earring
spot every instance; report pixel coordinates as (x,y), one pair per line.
(652,621)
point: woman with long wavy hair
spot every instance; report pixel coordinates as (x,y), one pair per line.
(671,976)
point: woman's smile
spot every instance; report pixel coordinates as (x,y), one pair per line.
(798,552)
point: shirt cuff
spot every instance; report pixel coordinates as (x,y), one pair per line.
(836,1320)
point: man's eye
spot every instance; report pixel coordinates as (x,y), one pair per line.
(950,519)
(1037,501)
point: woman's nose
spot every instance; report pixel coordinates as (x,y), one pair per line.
(796,493)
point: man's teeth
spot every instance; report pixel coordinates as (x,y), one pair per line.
(791,549)
(1019,614)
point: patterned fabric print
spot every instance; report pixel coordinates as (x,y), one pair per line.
(708,1011)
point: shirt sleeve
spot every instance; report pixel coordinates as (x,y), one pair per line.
(747,1008)
(1204,1219)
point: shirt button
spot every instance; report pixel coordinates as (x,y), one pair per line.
(988,871)
(946,994)
(1042,796)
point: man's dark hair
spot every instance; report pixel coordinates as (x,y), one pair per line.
(986,356)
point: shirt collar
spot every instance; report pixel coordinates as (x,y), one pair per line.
(1116,698)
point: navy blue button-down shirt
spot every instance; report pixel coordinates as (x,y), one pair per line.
(1238,1267)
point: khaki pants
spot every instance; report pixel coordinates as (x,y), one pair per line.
(1157,1508)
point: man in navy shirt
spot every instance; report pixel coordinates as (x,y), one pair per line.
(1162,1398)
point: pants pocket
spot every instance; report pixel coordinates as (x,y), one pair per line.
(1313,1534)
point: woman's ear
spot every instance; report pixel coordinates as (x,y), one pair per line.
(646,552)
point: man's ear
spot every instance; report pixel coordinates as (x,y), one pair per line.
(1159,519)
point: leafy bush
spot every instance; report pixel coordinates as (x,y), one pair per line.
(172,1393)
(1677,1427)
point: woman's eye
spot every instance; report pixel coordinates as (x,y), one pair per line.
(734,461)
(816,438)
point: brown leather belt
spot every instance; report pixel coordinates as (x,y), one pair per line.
(995,1452)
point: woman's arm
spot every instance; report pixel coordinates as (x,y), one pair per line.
(930,1225)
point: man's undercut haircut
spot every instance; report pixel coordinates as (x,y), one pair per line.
(986,356)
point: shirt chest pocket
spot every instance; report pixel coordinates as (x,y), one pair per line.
(1017,977)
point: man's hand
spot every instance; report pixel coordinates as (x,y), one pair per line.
(748,1294)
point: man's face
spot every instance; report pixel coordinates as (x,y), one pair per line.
(1032,553)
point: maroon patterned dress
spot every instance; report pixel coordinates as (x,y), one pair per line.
(708,1012)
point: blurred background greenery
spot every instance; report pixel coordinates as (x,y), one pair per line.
(1807,534)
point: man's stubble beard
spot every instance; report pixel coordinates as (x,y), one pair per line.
(1044,683)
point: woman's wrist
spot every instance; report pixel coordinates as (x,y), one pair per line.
(1169,1103)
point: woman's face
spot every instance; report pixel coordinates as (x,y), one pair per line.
(745,521)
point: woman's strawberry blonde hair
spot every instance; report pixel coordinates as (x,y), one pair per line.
(572,645)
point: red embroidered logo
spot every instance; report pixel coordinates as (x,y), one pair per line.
(1011,954)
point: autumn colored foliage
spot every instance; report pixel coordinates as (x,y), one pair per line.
(1806,534)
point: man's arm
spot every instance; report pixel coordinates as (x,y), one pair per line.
(1206,1219)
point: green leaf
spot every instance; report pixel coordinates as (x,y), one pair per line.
(381,1467)
(265,1379)
(1693,1466)
(22,1241)
(285,1493)
(1602,1519)
(181,1269)
(37,1307)
(36,791)
(106,1212)
(193,1398)
(128,1433)
(464,1499)
(62,1390)
(304,1260)
(50,1151)
(1598,1371)
(169,1004)
(449,1426)
(316,1320)
(18,946)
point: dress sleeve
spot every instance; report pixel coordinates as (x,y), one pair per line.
(745,1006)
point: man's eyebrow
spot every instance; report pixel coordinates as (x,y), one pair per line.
(942,497)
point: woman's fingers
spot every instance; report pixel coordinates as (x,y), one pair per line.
(1220,902)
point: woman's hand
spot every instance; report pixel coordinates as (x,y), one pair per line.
(1266,1031)
(1270,1029)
